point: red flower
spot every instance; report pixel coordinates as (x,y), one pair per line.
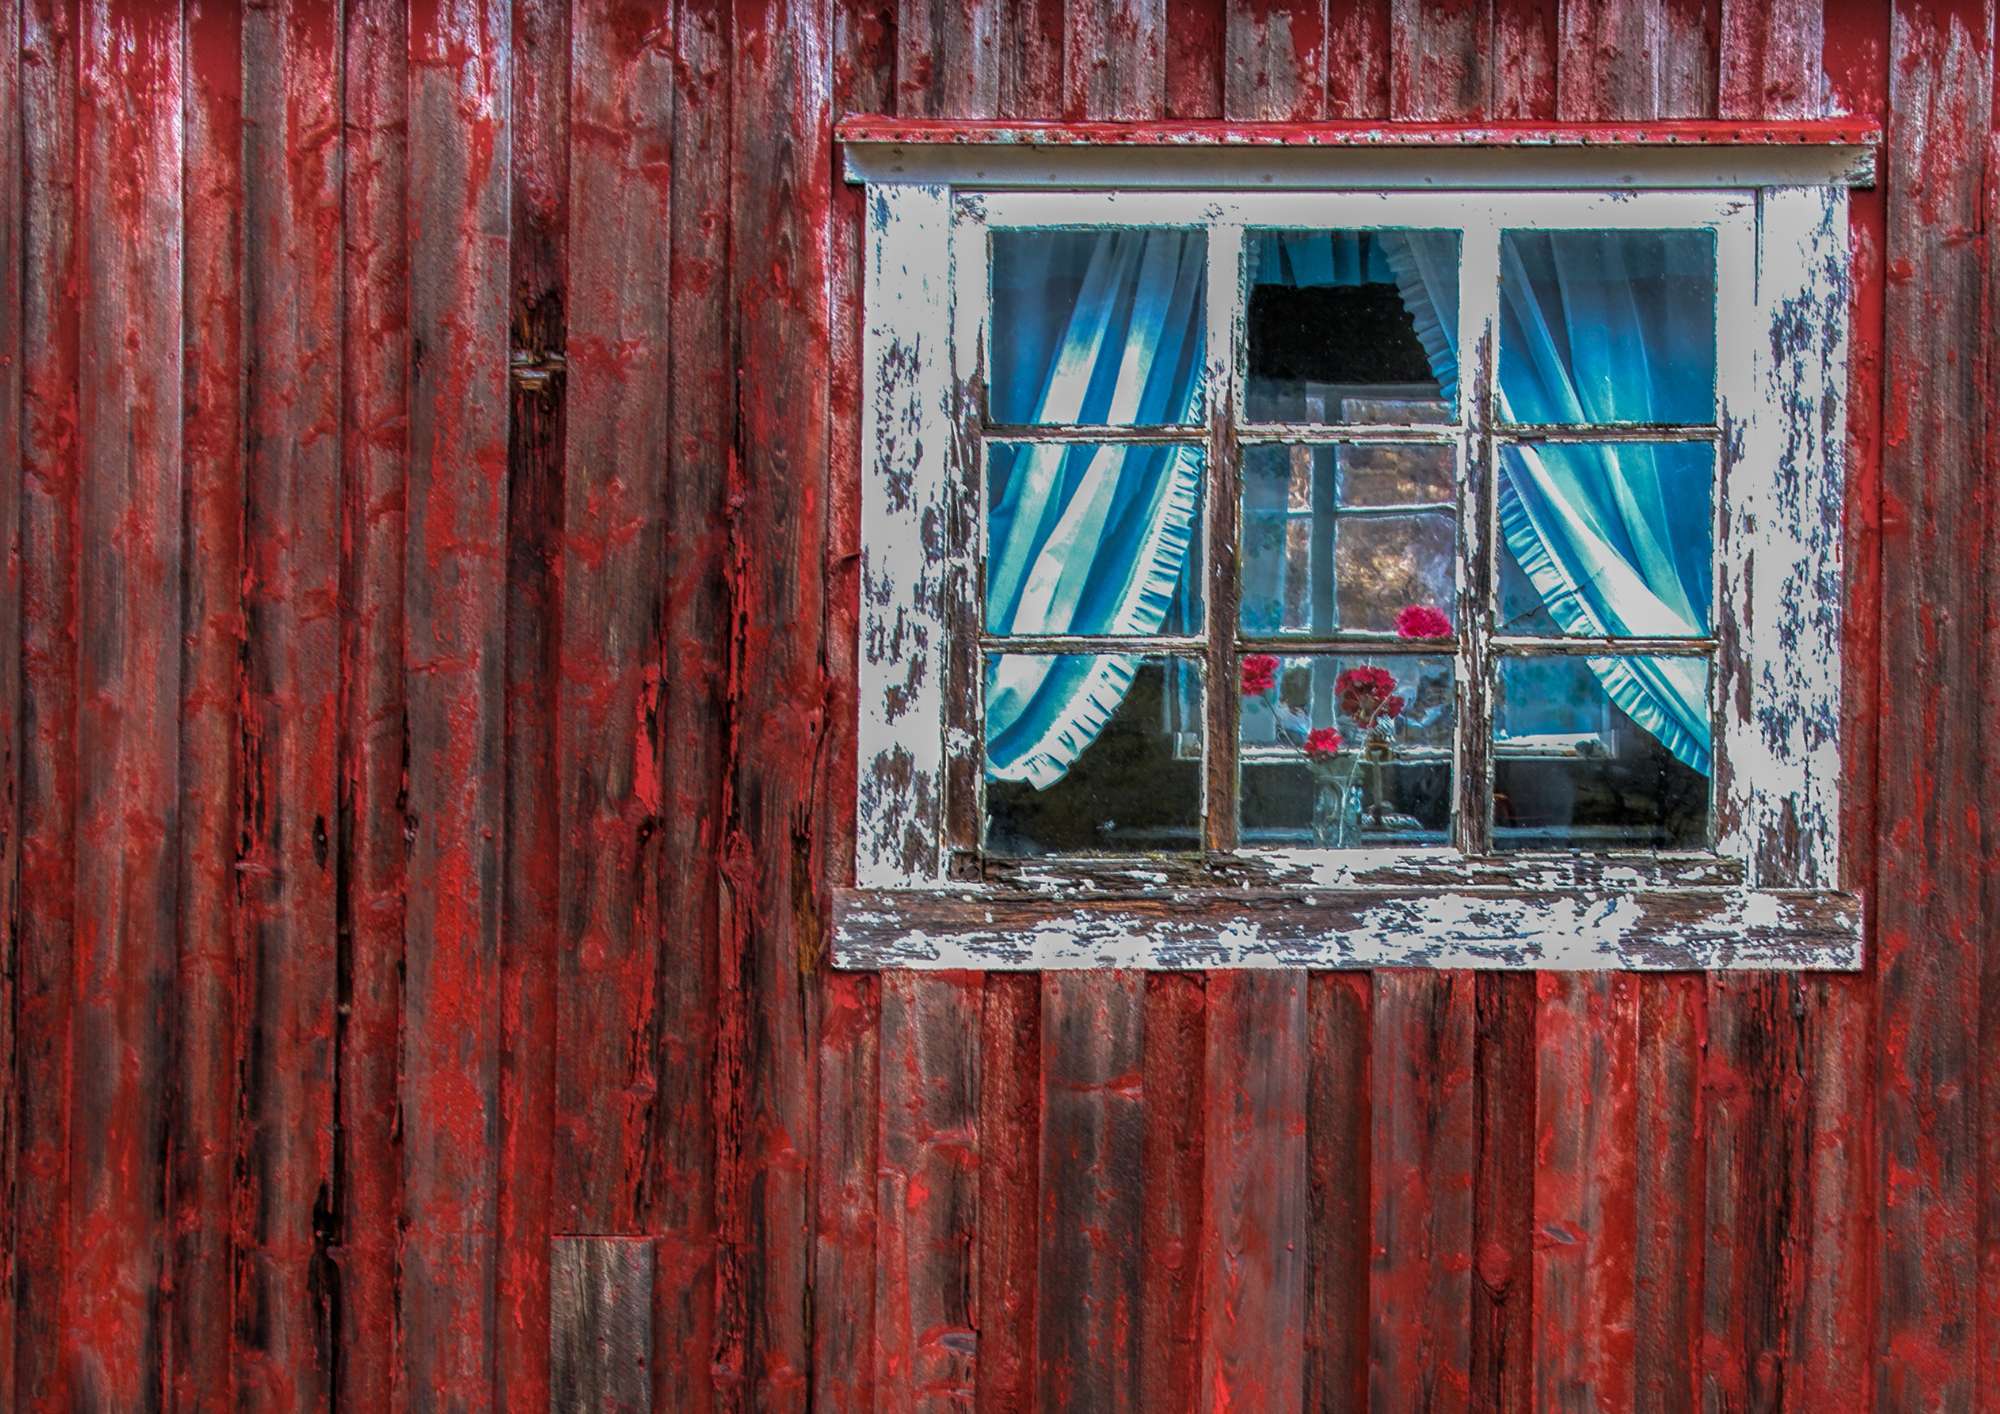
(1393,707)
(1366,693)
(1422,621)
(1322,743)
(1260,674)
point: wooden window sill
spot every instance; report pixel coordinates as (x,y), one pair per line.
(1681,929)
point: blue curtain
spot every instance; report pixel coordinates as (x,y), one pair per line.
(1599,327)
(1084,539)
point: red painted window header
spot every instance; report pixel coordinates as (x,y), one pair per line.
(1836,132)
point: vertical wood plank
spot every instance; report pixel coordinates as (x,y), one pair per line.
(455,662)
(1441,59)
(204,1143)
(690,740)
(291,582)
(947,54)
(1770,58)
(1927,899)
(1526,49)
(1689,67)
(1611,56)
(370,838)
(1421,1153)
(1114,59)
(1010,1129)
(1752,1083)
(128,175)
(538,127)
(600,1325)
(1252,1264)
(44,985)
(1338,1257)
(614,602)
(1175,1083)
(12,349)
(776,495)
(930,1153)
(1276,60)
(1197,57)
(1093,1140)
(1670,1195)
(1586,1169)
(844,1247)
(1358,59)
(1504,1189)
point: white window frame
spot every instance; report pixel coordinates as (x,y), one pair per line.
(1766,896)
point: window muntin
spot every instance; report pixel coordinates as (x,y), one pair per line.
(1297,533)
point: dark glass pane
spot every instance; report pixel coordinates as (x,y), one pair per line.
(1340,751)
(1352,326)
(1098,326)
(1609,539)
(1090,754)
(1607,326)
(1317,560)
(1085,539)
(1601,753)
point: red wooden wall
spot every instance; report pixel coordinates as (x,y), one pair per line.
(428,490)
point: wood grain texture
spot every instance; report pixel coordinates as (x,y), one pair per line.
(600,1325)
(929,1157)
(287,967)
(1507,1185)
(204,1154)
(1339,1131)
(130,71)
(1670,1135)
(1175,1083)
(46,913)
(615,722)
(1930,927)
(455,671)
(538,240)
(1093,1141)
(1586,1168)
(1422,1145)
(682,1186)
(1253,1267)
(1010,1132)
(12,310)
(371,836)
(773,719)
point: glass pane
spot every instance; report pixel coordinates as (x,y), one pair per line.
(1318,559)
(1098,326)
(1352,326)
(1092,754)
(1091,539)
(1607,326)
(1613,539)
(1601,753)
(1339,751)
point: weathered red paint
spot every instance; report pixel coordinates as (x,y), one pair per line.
(420,783)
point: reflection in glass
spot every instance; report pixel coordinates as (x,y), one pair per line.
(1340,751)
(1335,537)
(1607,326)
(1127,777)
(1607,539)
(1097,326)
(1584,758)
(1084,539)
(1352,326)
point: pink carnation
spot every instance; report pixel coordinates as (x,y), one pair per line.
(1260,674)
(1422,621)
(1365,691)
(1322,743)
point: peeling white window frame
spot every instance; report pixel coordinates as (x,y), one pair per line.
(1767,896)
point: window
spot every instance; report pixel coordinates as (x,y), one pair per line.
(1352,575)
